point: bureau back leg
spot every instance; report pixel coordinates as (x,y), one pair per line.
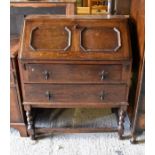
(122,113)
(30,125)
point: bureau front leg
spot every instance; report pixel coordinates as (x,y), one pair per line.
(122,113)
(30,125)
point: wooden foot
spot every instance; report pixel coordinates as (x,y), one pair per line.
(21,127)
(133,139)
(122,113)
(30,127)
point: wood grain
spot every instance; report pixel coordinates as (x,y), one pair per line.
(17,119)
(63,93)
(75,51)
(65,69)
(58,73)
(138,22)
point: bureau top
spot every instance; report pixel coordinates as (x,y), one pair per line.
(59,37)
(39,3)
(75,17)
(42,1)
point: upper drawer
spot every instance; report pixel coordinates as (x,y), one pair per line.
(73,73)
(75,38)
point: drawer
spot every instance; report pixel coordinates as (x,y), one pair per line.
(76,94)
(70,73)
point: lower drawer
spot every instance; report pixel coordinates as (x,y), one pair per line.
(74,93)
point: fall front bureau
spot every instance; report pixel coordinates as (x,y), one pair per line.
(75,62)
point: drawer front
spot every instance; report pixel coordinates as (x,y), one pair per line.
(66,73)
(61,94)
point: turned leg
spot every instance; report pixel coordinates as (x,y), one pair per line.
(30,127)
(122,113)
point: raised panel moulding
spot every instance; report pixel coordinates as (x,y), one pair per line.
(85,48)
(59,44)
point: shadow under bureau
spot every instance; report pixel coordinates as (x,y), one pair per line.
(75,62)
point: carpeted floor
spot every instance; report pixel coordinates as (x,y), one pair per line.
(77,144)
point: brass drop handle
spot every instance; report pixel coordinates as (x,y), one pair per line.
(48,95)
(102,96)
(46,74)
(103,75)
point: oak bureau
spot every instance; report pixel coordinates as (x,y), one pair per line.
(75,62)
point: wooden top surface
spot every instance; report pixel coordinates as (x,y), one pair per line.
(91,17)
(21,3)
(42,1)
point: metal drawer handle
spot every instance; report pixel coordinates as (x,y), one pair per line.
(103,75)
(46,74)
(48,95)
(102,96)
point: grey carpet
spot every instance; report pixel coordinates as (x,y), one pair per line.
(78,144)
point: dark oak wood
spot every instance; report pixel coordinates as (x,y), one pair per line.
(21,128)
(63,93)
(30,127)
(68,66)
(74,44)
(58,73)
(138,122)
(138,25)
(122,112)
(14,107)
(16,110)
(20,9)
(75,105)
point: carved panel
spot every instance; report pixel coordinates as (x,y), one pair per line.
(54,38)
(100,39)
